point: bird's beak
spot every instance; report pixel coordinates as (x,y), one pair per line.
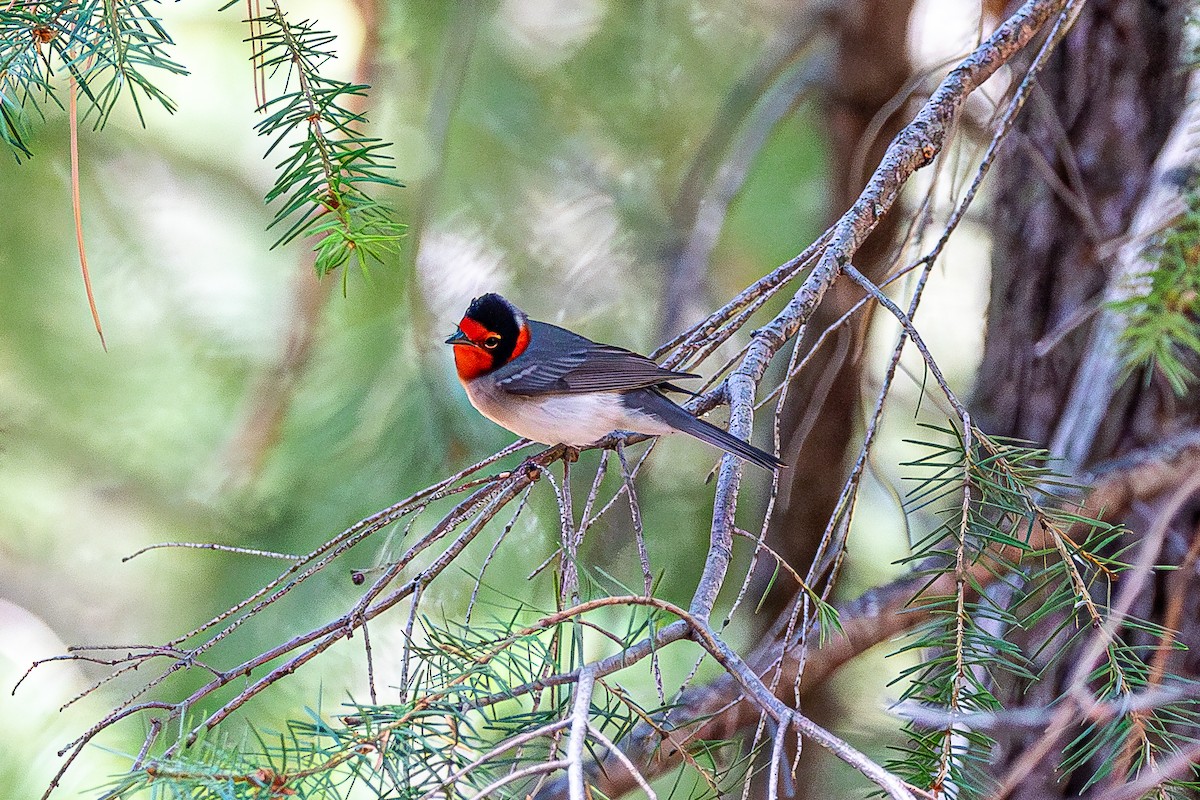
(459,338)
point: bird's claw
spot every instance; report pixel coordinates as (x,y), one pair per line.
(530,468)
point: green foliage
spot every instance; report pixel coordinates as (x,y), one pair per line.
(468,694)
(404,749)
(109,49)
(1163,330)
(1055,570)
(106,47)
(320,183)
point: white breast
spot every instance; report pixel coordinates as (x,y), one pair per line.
(571,419)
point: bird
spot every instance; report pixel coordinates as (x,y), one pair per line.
(553,386)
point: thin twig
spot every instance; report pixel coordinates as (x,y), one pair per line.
(1132,583)
(580,711)
(224,548)
(623,759)
(518,774)
(508,744)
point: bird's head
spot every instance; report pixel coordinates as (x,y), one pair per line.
(492,333)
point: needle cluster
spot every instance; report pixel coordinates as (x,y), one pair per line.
(1005,514)
(102,50)
(321,186)
(1163,334)
(106,49)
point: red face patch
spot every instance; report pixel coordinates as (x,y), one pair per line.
(473,330)
(470,359)
(470,362)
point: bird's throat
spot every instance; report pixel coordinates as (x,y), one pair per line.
(470,362)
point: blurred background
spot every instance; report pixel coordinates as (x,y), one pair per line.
(550,151)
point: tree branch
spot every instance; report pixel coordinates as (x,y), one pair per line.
(913,148)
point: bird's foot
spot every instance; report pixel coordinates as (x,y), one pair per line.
(531,469)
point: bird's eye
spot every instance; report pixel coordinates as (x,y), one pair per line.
(491,342)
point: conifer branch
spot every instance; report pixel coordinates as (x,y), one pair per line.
(110,48)
(322,181)
(1004,516)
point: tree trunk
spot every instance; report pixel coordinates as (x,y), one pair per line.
(1068,184)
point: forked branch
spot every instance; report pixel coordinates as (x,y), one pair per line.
(483,497)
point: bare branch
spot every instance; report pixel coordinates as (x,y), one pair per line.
(580,712)
(475,500)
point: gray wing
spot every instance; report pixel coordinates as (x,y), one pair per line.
(560,362)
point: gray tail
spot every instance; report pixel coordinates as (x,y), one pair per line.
(652,402)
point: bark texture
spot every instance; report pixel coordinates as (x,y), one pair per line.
(1067,186)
